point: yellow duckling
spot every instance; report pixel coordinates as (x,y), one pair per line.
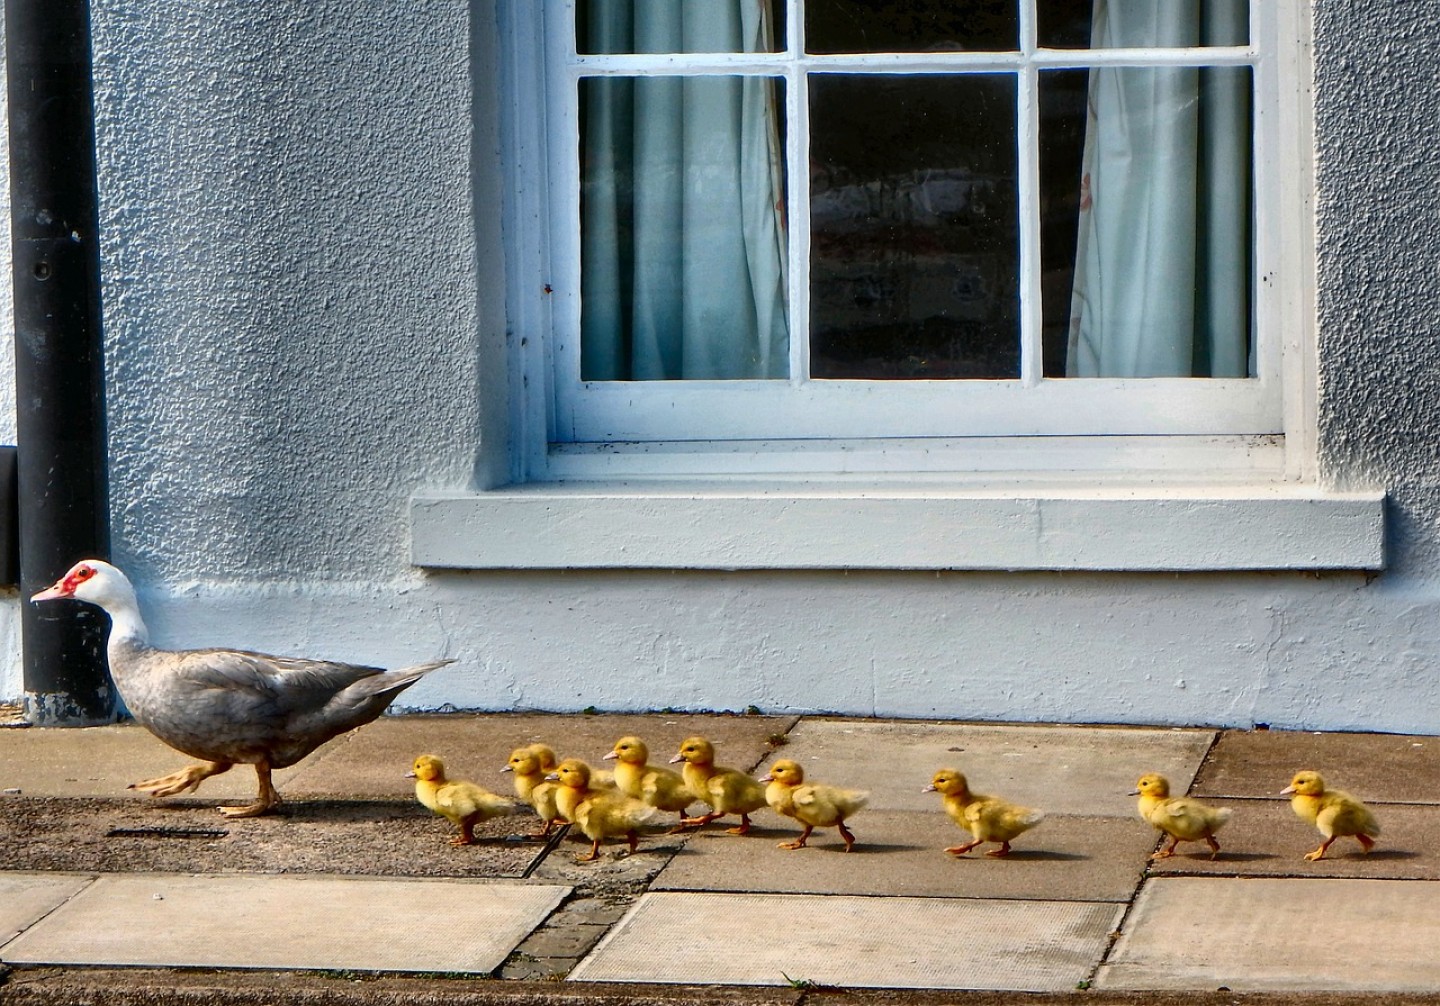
(1334,812)
(1183,819)
(530,768)
(463,803)
(652,784)
(812,804)
(726,790)
(601,813)
(986,818)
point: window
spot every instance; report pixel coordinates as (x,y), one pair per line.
(806,223)
(902,284)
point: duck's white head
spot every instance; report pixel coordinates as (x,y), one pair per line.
(93,580)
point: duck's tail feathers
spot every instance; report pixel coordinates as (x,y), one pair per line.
(393,682)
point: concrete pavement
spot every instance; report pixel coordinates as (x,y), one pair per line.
(353,879)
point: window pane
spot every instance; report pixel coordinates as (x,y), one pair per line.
(643,26)
(1159,255)
(682,229)
(1109,24)
(914,240)
(849,26)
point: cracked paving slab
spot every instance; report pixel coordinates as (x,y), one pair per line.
(1276,935)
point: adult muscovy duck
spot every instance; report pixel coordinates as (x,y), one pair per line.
(228,707)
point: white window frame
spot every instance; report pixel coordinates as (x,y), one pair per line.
(575,431)
(1140,497)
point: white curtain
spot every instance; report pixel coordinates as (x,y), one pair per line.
(682,234)
(1162,268)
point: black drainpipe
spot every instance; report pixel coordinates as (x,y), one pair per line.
(63,505)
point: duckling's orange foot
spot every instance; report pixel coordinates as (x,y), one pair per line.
(1004,850)
(1163,854)
(462,840)
(960,850)
(790,845)
(1317,854)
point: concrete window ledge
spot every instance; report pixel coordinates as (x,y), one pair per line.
(640,526)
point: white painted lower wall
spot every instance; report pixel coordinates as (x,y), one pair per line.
(1289,650)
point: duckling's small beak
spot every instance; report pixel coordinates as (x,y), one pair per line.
(409,775)
(677,758)
(928,789)
(766,778)
(553,777)
(507,768)
(1134,792)
(1287,791)
(611,756)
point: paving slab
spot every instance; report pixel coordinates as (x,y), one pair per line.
(1396,768)
(902,853)
(103,761)
(26,898)
(760,939)
(1086,771)
(168,920)
(372,761)
(1265,838)
(1272,935)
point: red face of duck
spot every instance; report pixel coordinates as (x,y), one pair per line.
(67,584)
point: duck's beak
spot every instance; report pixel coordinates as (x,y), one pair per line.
(1287,791)
(53,592)
(676,759)
(766,778)
(610,757)
(409,775)
(928,789)
(553,777)
(1134,792)
(507,768)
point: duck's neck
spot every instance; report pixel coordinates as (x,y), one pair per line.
(128,633)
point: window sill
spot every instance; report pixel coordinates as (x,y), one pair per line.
(832,526)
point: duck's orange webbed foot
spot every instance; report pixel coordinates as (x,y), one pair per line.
(183,781)
(1004,850)
(960,850)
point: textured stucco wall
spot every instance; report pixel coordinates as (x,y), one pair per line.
(304,299)
(1377,70)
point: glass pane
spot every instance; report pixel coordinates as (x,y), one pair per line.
(848,26)
(914,239)
(644,26)
(1111,24)
(682,229)
(1152,168)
